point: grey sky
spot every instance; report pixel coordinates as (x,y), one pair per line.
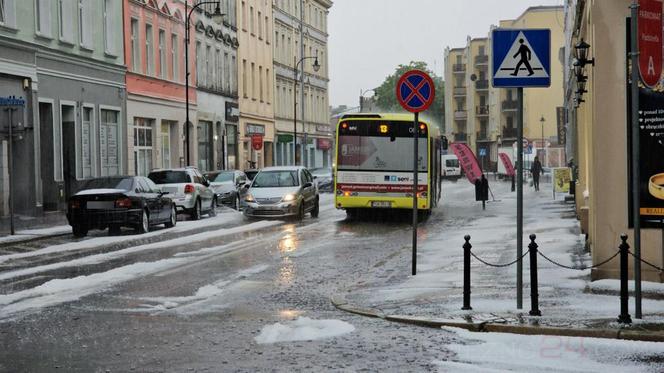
(369,38)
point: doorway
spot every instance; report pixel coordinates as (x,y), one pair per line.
(68,128)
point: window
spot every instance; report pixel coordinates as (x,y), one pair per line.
(260,27)
(149,50)
(162,54)
(109,26)
(143,145)
(85,146)
(267,31)
(244,16)
(84,23)
(65,21)
(135,51)
(200,78)
(3,18)
(260,82)
(205,156)
(109,142)
(227,73)
(218,69)
(244,78)
(165,145)
(253,81)
(175,70)
(43,17)
(251,20)
(268,85)
(209,81)
(232,79)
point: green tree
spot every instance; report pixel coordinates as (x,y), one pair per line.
(386,94)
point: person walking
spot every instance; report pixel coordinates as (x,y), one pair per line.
(524,55)
(536,171)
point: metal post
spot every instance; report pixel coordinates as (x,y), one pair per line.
(624,276)
(10,167)
(519,200)
(295,110)
(302,51)
(186,82)
(636,194)
(416,132)
(534,295)
(466,274)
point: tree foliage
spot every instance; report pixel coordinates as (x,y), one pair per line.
(386,94)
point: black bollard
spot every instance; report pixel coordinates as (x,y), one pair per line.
(624,317)
(513,186)
(534,296)
(466,274)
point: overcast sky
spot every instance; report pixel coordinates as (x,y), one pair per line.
(370,38)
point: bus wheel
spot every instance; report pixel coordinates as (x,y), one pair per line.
(351,214)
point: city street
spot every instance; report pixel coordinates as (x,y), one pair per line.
(209,299)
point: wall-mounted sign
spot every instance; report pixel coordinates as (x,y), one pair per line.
(12,101)
(258,129)
(324,144)
(232,112)
(257,142)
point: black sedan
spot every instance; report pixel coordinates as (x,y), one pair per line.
(119,201)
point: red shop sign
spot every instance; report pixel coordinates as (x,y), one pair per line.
(324,144)
(257,142)
(650,41)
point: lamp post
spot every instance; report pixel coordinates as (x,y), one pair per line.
(542,120)
(316,67)
(217,16)
(362,93)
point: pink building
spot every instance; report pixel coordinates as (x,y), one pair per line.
(154,55)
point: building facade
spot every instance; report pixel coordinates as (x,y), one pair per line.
(596,131)
(217,84)
(256,91)
(314,135)
(485,117)
(65,59)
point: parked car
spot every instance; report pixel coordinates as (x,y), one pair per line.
(251,173)
(120,201)
(287,191)
(451,167)
(323,178)
(189,189)
(228,187)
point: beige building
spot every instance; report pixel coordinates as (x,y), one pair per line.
(485,117)
(255,84)
(287,54)
(596,131)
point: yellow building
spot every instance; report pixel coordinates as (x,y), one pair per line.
(596,131)
(256,84)
(485,117)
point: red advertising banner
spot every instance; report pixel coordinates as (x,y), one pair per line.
(324,144)
(468,161)
(507,162)
(650,41)
(257,142)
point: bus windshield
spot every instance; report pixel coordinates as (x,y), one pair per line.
(380,146)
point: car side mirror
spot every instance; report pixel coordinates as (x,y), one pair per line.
(308,185)
(315,177)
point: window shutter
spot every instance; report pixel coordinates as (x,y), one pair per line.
(45,17)
(87,23)
(110,26)
(68,20)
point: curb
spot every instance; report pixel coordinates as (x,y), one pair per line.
(490,327)
(32,238)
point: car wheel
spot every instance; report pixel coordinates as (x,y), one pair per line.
(79,230)
(316,209)
(113,230)
(173,218)
(196,212)
(300,212)
(237,203)
(144,225)
(213,208)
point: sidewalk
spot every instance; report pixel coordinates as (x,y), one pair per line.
(570,304)
(29,228)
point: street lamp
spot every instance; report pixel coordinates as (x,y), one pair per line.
(362,93)
(316,67)
(217,17)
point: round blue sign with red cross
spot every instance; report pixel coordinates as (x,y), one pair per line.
(415,91)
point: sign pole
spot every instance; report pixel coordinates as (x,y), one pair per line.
(519,201)
(636,195)
(415,180)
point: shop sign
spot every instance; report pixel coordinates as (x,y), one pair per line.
(323,144)
(252,129)
(284,138)
(257,142)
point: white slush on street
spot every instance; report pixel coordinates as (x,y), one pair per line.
(303,329)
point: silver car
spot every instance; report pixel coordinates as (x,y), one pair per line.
(188,189)
(279,192)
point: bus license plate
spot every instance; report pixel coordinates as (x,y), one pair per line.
(381,204)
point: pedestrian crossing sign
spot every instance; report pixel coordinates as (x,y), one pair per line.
(521,58)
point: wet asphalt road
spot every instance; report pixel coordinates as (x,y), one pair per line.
(202,311)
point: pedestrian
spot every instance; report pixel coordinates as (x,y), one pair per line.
(536,170)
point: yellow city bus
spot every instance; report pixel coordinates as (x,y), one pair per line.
(374,163)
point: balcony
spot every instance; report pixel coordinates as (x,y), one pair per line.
(483,135)
(459,68)
(510,105)
(481,60)
(460,114)
(482,111)
(509,133)
(460,137)
(459,91)
(482,85)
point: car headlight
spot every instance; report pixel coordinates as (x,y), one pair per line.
(288,197)
(249,198)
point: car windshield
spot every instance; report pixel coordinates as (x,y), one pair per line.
(273,179)
(223,177)
(169,177)
(250,174)
(124,183)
